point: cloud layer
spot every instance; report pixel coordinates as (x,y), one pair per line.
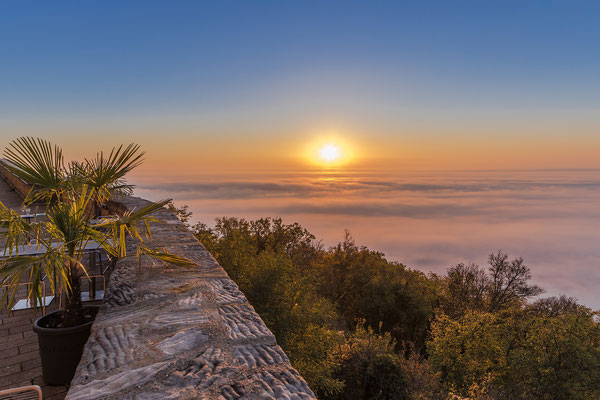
(427,220)
(304,187)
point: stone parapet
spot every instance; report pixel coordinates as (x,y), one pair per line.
(167,332)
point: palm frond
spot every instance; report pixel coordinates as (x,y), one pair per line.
(131,219)
(68,220)
(165,257)
(146,210)
(14,269)
(38,163)
(106,174)
(16,231)
(126,225)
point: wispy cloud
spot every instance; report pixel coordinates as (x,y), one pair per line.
(374,187)
(371,209)
(491,211)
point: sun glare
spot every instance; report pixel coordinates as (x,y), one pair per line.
(329,153)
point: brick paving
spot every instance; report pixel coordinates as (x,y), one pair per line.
(20,363)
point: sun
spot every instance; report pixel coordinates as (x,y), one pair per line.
(329,153)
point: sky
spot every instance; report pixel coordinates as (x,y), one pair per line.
(464,127)
(229,84)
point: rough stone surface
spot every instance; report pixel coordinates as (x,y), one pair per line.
(172,333)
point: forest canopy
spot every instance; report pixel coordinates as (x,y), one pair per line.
(357,326)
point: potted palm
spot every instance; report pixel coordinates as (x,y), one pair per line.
(74,195)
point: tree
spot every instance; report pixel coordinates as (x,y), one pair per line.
(61,238)
(466,289)
(364,285)
(182,212)
(509,281)
(519,353)
(371,368)
(472,288)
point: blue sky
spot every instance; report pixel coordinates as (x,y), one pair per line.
(378,69)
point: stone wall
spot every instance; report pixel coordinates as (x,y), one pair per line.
(173,333)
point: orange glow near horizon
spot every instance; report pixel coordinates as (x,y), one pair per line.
(330,152)
(185,153)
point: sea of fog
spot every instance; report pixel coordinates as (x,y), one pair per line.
(426,220)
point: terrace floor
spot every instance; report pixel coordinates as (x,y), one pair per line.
(20,363)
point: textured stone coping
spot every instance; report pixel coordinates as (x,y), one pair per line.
(174,333)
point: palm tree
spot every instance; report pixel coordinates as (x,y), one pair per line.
(73,195)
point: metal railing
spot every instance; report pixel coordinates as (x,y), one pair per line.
(33,392)
(95,259)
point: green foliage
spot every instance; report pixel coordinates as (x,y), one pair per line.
(183,212)
(308,295)
(38,163)
(466,350)
(357,326)
(363,284)
(371,368)
(521,353)
(471,288)
(312,351)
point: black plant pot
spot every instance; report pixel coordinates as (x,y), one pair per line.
(61,348)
